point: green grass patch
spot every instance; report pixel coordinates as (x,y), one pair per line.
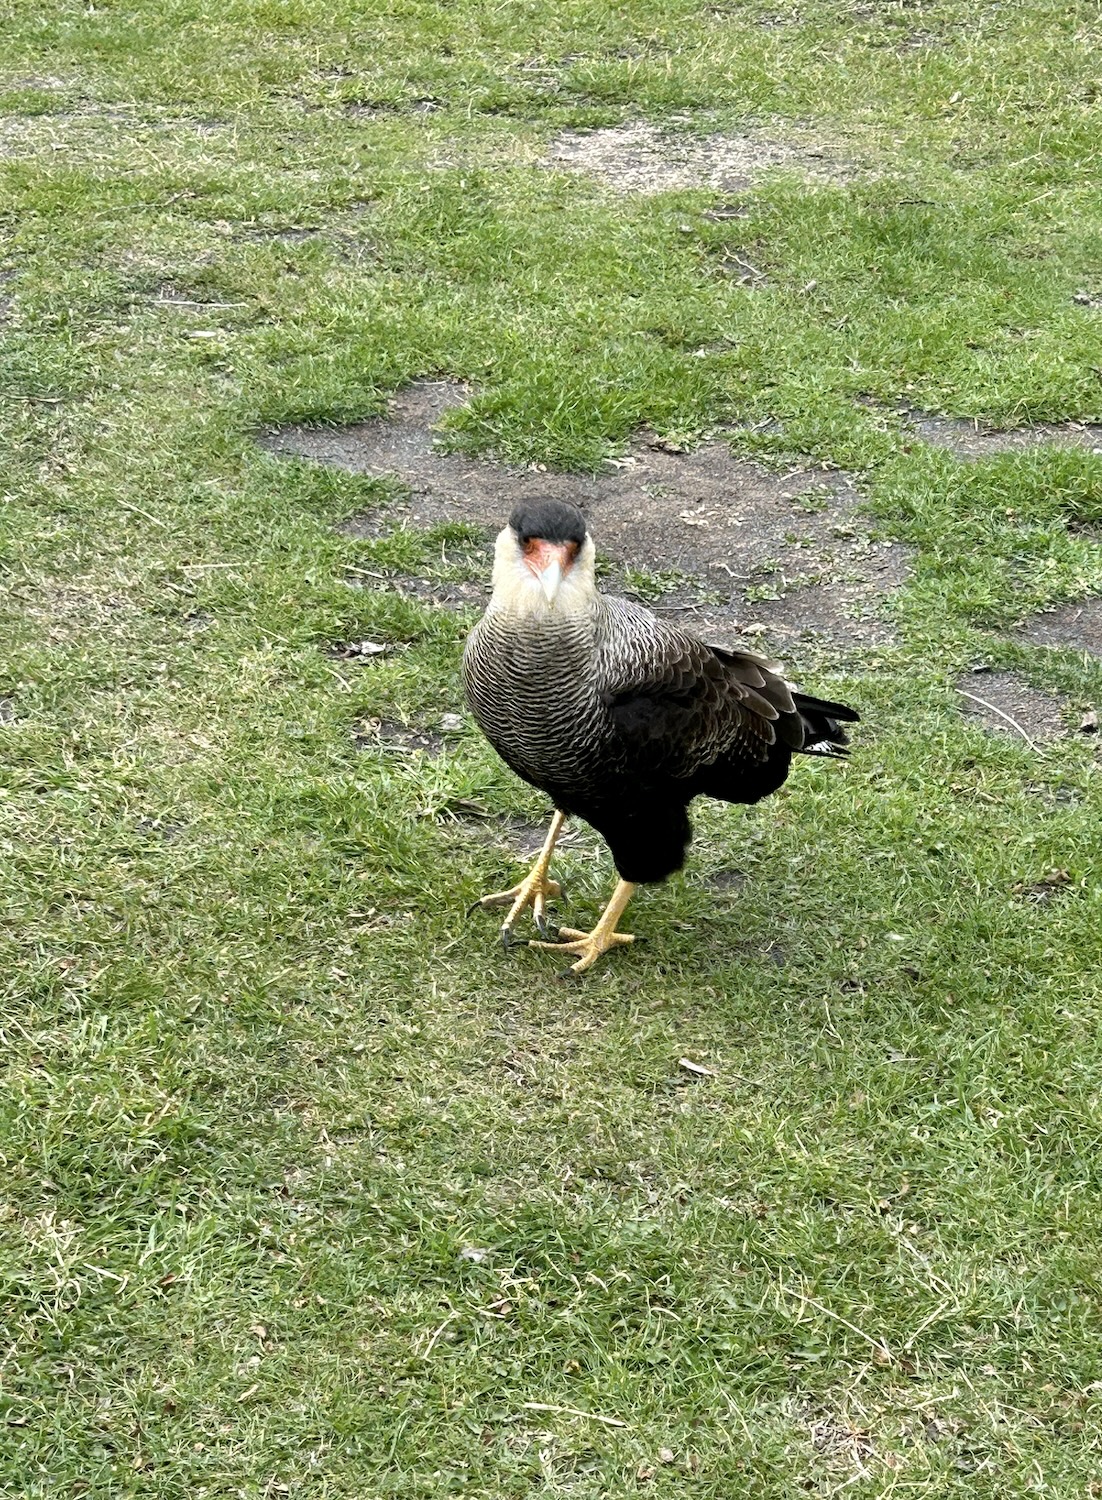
(308,1188)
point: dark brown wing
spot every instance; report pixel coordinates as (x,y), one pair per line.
(678,705)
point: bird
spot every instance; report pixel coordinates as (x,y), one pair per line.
(622,718)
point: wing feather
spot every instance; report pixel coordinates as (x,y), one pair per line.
(677,704)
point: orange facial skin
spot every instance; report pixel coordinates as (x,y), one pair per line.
(539,555)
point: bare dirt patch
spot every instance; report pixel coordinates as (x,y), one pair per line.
(725,545)
(402,739)
(1040,892)
(1075,627)
(515,837)
(65,612)
(368,110)
(641,158)
(345,233)
(520,839)
(841,1443)
(971,439)
(37,83)
(1005,704)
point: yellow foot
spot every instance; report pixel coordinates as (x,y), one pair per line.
(590,945)
(535,890)
(587,945)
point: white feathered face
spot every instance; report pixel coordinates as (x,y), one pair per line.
(536,573)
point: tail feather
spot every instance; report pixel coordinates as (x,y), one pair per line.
(823,735)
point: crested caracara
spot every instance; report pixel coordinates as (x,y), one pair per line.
(620,717)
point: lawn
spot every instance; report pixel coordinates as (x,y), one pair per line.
(308,1188)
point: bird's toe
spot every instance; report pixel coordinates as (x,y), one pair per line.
(545,928)
(495,898)
(588,946)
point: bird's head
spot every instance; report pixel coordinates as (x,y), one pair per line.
(544,559)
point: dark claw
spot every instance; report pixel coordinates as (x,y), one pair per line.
(474,906)
(509,941)
(548,931)
(564,974)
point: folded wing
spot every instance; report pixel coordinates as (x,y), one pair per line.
(679,705)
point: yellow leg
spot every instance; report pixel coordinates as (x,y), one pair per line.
(590,945)
(534,890)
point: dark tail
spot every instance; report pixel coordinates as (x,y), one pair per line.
(823,735)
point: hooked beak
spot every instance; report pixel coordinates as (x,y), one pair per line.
(549,561)
(550,579)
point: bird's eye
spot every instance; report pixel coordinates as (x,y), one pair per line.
(535,545)
(540,553)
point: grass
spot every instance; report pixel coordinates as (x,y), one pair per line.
(308,1189)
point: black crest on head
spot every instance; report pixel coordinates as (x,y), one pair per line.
(548,521)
